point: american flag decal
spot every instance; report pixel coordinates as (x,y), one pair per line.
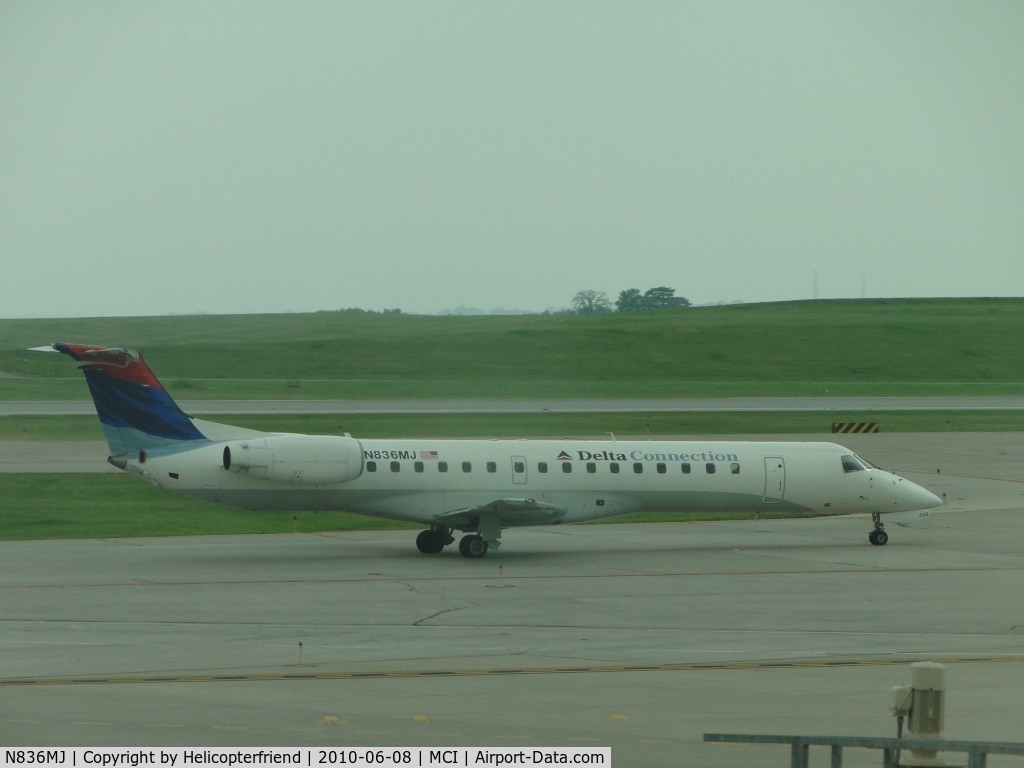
(429,455)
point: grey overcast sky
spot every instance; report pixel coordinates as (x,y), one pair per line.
(196,155)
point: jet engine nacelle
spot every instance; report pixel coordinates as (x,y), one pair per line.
(305,459)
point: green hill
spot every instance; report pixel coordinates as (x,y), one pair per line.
(928,346)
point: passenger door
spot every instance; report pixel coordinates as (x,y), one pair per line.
(774,479)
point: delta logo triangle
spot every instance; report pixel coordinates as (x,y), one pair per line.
(563,456)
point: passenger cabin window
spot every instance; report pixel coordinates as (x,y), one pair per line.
(638,468)
(467,466)
(709,468)
(614,467)
(542,467)
(591,467)
(662,469)
(519,467)
(492,467)
(442,466)
(418,466)
(734,468)
(685,468)
(371,466)
(566,467)
(396,466)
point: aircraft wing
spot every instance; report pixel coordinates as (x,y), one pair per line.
(508,512)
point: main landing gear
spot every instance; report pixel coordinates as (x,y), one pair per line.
(436,538)
(878,537)
(433,540)
(472,545)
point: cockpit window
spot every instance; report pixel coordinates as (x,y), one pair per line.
(853,463)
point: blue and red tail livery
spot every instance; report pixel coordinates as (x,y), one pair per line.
(135,410)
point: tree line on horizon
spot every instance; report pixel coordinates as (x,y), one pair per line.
(630,300)
(583,303)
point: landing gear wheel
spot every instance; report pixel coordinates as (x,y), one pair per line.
(878,537)
(472,546)
(430,542)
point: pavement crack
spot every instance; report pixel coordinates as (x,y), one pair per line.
(434,615)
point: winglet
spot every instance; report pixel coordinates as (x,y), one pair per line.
(134,408)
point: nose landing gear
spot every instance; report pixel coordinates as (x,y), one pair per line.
(878,537)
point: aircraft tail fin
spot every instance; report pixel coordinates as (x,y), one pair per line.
(135,410)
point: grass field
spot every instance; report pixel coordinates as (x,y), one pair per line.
(88,506)
(919,347)
(866,347)
(70,506)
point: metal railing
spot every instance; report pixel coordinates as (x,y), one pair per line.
(977,751)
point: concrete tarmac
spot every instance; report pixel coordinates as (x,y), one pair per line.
(638,637)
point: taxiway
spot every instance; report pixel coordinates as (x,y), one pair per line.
(638,637)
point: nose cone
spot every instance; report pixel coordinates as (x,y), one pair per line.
(910,496)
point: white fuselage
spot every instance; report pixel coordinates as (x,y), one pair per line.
(554,481)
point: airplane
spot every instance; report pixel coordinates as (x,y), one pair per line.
(476,487)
